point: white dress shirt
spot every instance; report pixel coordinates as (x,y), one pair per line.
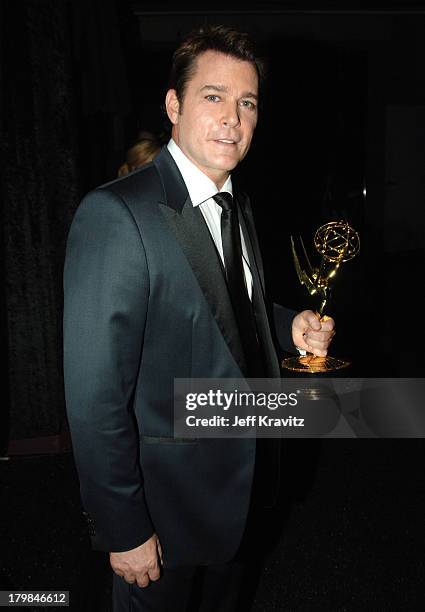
(201,191)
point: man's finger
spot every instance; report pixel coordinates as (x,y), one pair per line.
(154,573)
(160,551)
(312,320)
(143,581)
(327,324)
(317,338)
(318,352)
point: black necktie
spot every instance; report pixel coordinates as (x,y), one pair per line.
(267,451)
(235,276)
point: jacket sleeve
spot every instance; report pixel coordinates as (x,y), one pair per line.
(279,316)
(106,288)
(282,319)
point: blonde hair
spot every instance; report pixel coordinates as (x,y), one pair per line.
(139,154)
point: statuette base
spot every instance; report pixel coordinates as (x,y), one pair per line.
(311,364)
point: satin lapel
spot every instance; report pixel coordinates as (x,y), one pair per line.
(259,305)
(196,242)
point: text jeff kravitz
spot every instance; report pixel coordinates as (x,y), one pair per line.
(249,421)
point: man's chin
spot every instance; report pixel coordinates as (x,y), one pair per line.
(227,164)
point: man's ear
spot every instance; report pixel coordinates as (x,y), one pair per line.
(172,106)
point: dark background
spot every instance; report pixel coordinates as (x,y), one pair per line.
(341,135)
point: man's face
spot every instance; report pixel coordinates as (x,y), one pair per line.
(215,123)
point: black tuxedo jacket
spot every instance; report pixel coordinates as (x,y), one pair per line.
(146,302)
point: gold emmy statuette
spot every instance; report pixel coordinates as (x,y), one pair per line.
(336,242)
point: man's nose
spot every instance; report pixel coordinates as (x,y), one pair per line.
(231,115)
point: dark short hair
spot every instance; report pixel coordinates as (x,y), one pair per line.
(212,38)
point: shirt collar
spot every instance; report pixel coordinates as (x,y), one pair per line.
(199,186)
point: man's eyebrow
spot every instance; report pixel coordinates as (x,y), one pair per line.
(223,88)
(249,94)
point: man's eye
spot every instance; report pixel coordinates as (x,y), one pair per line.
(248,104)
(212,98)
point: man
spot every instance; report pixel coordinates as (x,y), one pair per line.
(153,292)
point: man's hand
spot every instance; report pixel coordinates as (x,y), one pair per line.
(311,334)
(140,564)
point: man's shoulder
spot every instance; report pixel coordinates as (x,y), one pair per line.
(142,183)
(128,196)
(140,191)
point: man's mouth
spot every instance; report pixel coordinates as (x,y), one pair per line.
(226,141)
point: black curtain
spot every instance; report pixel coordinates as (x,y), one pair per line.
(100,29)
(39,192)
(64,98)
